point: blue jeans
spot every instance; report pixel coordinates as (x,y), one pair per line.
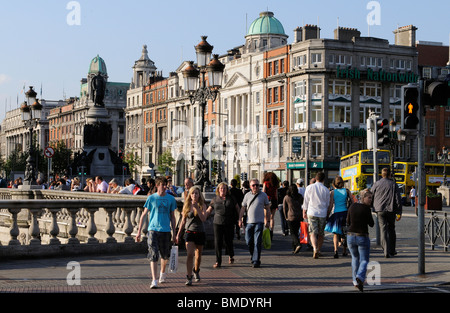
(359,247)
(253,238)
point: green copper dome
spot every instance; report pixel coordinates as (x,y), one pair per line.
(98,66)
(266,24)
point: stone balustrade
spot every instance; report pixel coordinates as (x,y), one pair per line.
(44,223)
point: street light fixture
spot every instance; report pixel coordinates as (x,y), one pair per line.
(444,157)
(193,78)
(31,114)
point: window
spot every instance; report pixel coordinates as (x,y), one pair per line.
(338,113)
(447,128)
(300,88)
(316,146)
(275,94)
(275,67)
(316,86)
(316,58)
(316,113)
(340,87)
(257,95)
(275,118)
(370,89)
(432,127)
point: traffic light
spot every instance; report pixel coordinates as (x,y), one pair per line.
(410,103)
(436,93)
(382,132)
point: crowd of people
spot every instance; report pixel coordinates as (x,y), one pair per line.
(253,208)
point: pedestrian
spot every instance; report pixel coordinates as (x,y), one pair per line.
(340,201)
(412,195)
(225,211)
(281,193)
(292,210)
(387,204)
(159,209)
(102,186)
(359,217)
(245,187)
(114,186)
(188,184)
(193,217)
(315,208)
(301,187)
(257,206)
(75,185)
(129,187)
(270,187)
(238,196)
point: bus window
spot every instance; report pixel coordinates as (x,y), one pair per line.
(399,168)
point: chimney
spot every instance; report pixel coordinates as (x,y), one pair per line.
(310,32)
(346,34)
(298,34)
(405,36)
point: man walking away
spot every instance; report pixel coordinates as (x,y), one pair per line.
(387,204)
(315,207)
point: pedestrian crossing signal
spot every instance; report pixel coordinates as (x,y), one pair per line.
(382,132)
(410,103)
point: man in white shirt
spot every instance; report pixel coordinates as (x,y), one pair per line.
(102,186)
(129,186)
(315,207)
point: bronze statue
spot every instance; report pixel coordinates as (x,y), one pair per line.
(98,85)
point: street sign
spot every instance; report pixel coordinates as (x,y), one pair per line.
(49,152)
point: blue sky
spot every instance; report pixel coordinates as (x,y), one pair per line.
(39,46)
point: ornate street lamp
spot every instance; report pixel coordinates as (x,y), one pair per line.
(444,157)
(31,114)
(195,83)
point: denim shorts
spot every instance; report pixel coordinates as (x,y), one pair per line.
(159,244)
(317,225)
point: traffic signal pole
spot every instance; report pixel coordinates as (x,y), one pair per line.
(421,183)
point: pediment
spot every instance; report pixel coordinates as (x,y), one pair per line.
(237,80)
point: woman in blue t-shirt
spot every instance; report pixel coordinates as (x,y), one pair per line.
(340,200)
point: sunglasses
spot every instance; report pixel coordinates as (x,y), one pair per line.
(253,185)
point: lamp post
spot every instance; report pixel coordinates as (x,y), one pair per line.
(195,84)
(31,114)
(224,146)
(444,157)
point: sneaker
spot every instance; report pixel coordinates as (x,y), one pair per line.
(188,280)
(162,277)
(154,284)
(196,275)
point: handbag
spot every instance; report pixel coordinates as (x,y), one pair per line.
(303,234)
(349,199)
(173,262)
(267,242)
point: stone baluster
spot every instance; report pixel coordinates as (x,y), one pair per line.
(139,211)
(73,228)
(127,225)
(54,229)
(34,227)
(91,227)
(14,229)
(110,228)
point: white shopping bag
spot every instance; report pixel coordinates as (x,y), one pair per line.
(173,262)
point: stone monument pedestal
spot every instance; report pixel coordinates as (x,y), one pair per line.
(445,192)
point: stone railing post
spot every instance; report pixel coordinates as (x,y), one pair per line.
(91,227)
(73,229)
(14,229)
(127,225)
(34,227)
(110,228)
(54,229)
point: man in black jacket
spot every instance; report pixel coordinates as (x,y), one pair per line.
(387,204)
